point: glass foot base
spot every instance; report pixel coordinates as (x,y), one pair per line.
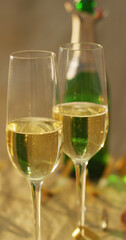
(81,233)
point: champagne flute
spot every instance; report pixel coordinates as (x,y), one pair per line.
(82,107)
(34,138)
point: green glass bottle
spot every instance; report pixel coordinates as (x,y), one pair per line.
(85,5)
(83,21)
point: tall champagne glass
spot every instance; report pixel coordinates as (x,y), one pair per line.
(82,107)
(34,138)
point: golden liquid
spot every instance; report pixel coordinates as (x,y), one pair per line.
(84,128)
(34,145)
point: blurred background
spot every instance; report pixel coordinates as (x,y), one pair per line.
(39,24)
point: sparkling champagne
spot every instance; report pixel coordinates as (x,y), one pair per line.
(84,128)
(34,145)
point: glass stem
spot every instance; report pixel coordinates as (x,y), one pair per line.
(36,196)
(80,189)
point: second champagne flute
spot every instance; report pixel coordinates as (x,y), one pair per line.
(82,107)
(34,138)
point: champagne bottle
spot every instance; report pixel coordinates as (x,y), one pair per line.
(84,17)
(85,5)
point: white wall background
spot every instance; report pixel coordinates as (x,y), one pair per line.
(39,24)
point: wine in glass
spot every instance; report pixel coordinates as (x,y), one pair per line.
(82,107)
(34,138)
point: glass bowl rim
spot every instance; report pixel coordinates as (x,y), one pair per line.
(37,54)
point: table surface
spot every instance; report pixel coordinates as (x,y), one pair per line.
(58,210)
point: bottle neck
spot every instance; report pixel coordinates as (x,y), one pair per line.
(82,27)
